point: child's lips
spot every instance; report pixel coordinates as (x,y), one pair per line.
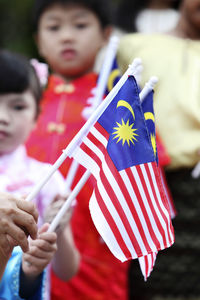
(3,134)
(68,54)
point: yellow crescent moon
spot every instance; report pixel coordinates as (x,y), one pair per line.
(149,116)
(113,75)
(127,105)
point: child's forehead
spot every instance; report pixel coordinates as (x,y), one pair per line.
(15,97)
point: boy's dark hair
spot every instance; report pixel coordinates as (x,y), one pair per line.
(17,75)
(102,9)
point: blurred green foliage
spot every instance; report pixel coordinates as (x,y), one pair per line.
(15,27)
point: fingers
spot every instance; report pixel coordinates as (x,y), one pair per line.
(34,266)
(28,207)
(43,228)
(27,217)
(41,252)
(54,208)
(45,239)
(17,234)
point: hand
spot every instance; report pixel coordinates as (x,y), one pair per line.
(40,253)
(54,208)
(18,219)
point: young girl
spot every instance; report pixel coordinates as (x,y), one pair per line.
(69,35)
(19,107)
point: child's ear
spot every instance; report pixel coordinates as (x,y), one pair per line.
(37,42)
(107,33)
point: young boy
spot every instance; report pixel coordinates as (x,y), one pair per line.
(69,35)
(20,93)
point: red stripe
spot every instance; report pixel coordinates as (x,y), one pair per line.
(146,262)
(142,205)
(112,224)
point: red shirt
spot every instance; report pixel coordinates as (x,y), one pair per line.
(101,275)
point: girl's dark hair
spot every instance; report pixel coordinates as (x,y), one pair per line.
(102,9)
(17,75)
(128,10)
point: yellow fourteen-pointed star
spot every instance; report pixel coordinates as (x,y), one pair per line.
(125,132)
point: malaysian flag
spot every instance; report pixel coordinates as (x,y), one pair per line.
(160,153)
(114,76)
(128,205)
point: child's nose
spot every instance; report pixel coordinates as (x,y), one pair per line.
(66,34)
(4,116)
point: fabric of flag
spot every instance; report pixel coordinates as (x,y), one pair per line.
(147,106)
(114,76)
(147,263)
(128,205)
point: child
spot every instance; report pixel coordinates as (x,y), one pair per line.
(69,35)
(175,59)
(19,106)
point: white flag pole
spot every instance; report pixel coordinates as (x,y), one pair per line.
(68,202)
(99,91)
(96,100)
(147,88)
(84,130)
(70,176)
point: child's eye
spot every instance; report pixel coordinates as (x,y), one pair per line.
(81,25)
(53,28)
(19,107)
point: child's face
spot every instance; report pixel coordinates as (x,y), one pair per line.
(69,38)
(17,119)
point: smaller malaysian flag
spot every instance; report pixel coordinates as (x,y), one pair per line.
(161,155)
(128,205)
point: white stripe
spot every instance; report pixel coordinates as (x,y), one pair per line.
(136,204)
(104,229)
(99,136)
(165,211)
(142,266)
(146,204)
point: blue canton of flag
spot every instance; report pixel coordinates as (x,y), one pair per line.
(128,143)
